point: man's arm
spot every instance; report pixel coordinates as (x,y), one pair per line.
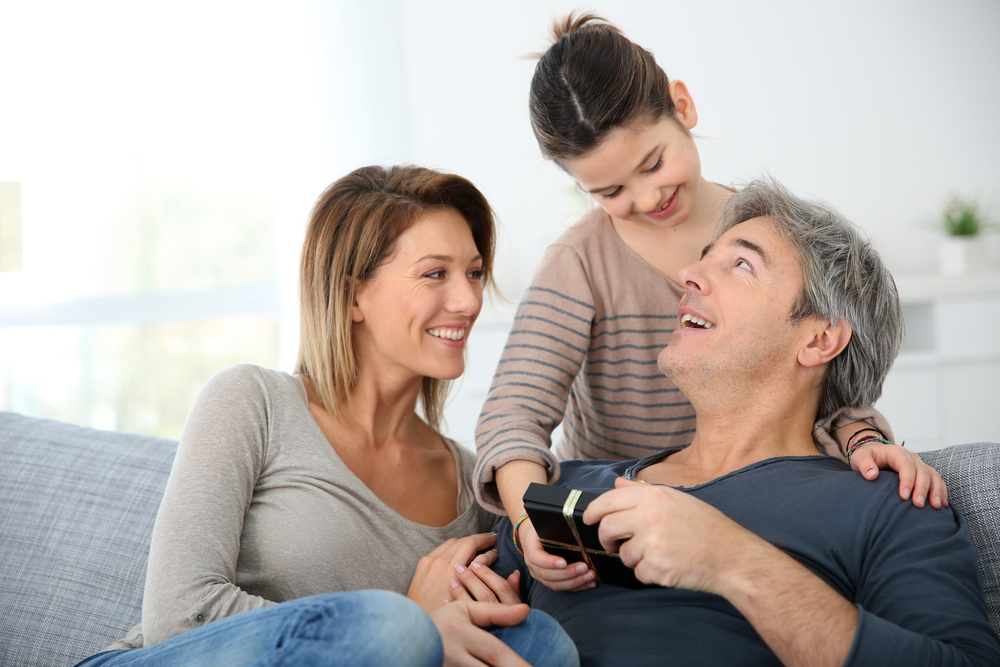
(917,597)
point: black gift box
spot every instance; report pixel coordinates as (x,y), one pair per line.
(557,516)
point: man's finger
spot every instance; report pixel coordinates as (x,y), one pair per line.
(615,500)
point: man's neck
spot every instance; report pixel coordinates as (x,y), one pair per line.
(730,440)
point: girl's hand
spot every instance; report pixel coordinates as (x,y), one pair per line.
(917,480)
(552,571)
(478,582)
(431,585)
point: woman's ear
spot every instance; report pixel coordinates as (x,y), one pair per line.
(824,342)
(357,314)
(684,108)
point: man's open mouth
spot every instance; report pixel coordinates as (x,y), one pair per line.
(689,321)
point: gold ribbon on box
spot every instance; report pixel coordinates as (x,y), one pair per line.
(568,508)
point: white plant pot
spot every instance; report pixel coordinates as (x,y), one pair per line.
(962,254)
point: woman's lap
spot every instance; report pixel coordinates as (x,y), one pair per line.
(338,629)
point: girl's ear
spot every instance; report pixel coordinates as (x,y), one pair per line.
(684,107)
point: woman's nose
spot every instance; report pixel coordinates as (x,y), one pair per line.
(465,296)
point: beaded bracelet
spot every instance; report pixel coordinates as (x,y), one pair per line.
(517,524)
(861,441)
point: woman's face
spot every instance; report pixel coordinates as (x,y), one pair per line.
(412,318)
(645,173)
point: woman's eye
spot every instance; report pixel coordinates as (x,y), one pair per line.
(475,274)
(655,167)
(614,193)
(435,274)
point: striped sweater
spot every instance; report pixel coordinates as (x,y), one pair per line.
(582,352)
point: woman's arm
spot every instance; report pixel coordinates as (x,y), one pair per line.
(196,539)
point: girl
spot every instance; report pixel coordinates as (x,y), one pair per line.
(603,301)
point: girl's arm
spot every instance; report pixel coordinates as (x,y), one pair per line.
(839,434)
(543,355)
(196,539)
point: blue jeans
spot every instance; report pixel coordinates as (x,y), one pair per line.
(335,630)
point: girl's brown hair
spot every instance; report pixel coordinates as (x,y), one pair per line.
(353,229)
(591,81)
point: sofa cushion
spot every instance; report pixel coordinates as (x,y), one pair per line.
(972,473)
(77,507)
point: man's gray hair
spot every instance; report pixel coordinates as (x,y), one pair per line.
(844,279)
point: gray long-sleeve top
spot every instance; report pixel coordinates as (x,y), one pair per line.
(260,509)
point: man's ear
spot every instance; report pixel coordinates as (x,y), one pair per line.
(825,342)
(685,111)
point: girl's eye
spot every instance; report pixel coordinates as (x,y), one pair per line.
(614,193)
(655,167)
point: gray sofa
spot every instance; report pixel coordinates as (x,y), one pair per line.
(77,507)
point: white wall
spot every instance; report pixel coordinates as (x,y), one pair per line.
(881,108)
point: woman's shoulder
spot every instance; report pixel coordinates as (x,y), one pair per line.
(252,379)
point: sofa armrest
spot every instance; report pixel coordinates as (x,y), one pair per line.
(77,507)
(972,473)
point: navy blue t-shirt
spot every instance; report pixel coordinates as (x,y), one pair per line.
(911,571)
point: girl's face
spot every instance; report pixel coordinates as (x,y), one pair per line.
(647,173)
(412,318)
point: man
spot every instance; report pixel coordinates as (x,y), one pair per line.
(764,551)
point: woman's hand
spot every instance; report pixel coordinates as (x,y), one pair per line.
(431,585)
(479,582)
(917,480)
(552,571)
(466,643)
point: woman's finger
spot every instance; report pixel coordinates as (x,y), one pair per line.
(477,587)
(505,593)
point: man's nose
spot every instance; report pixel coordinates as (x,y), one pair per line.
(694,279)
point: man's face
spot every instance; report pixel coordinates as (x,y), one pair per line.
(733,322)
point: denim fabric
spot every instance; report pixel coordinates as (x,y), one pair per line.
(359,628)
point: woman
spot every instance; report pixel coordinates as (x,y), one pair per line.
(288,486)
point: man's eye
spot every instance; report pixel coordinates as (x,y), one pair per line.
(743,264)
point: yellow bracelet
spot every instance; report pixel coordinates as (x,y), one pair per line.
(517,524)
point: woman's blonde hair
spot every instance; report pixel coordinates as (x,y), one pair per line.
(353,229)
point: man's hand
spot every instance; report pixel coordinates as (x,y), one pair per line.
(673,539)
(466,643)
(668,537)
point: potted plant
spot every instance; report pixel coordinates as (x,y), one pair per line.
(963,248)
